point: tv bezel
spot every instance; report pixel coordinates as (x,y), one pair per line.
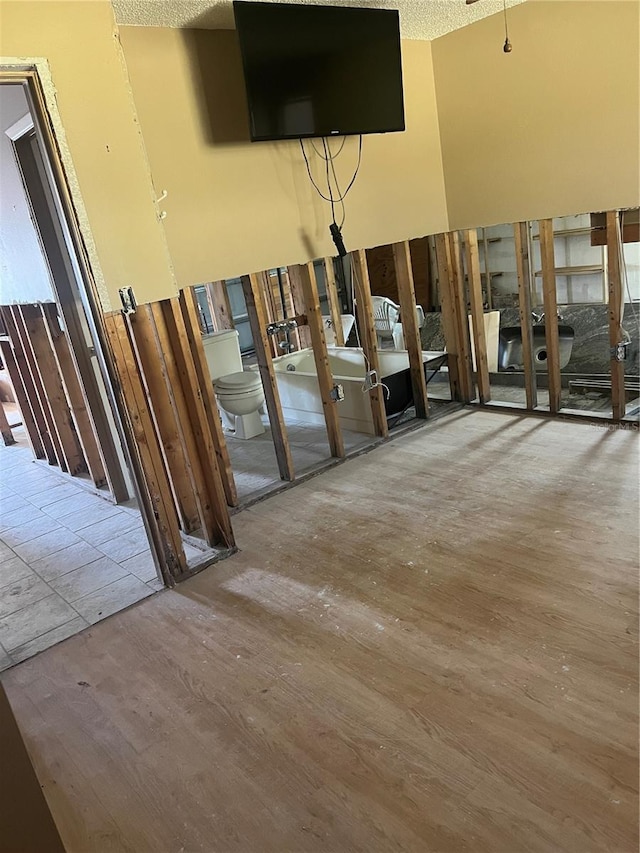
(334,134)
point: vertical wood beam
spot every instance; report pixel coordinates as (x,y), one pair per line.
(616,305)
(167,533)
(252,285)
(477,314)
(73,390)
(368,340)
(28,419)
(443,259)
(163,417)
(299,302)
(49,435)
(410,330)
(461,318)
(523,267)
(335,310)
(208,483)
(189,310)
(306,277)
(5,429)
(547,255)
(219,305)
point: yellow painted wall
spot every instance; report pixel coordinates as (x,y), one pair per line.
(549,129)
(101,141)
(236,207)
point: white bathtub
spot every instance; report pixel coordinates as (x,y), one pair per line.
(300,393)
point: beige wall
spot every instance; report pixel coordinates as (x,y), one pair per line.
(236,207)
(101,142)
(550,129)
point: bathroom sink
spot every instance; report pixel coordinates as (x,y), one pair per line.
(510,347)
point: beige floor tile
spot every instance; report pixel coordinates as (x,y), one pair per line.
(125,545)
(20,593)
(93,513)
(87,579)
(12,570)
(36,526)
(34,620)
(42,489)
(110,528)
(70,505)
(5,660)
(48,639)
(41,547)
(6,553)
(66,560)
(111,599)
(142,566)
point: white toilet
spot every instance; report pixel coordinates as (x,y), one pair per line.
(238,392)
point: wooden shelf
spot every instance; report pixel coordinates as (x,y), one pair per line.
(568,232)
(584,270)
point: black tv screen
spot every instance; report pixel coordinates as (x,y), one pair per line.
(320,70)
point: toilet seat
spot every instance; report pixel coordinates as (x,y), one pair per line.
(238,383)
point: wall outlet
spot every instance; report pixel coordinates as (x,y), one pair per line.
(371,380)
(337,393)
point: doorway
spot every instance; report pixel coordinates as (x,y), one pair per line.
(75,544)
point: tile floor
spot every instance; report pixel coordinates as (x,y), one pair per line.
(68,558)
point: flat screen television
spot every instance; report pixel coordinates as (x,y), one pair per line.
(320,70)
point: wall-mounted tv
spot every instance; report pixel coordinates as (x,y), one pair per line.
(320,70)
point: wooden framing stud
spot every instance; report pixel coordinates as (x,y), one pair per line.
(253,288)
(28,419)
(547,255)
(335,310)
(219,305)
(306,277)
(477,314)
(523,267)
(616,306)
(189,310)
(461,317)
(368,340)
(199,445)
(410,330)
(449,324)
(298,299)
(166,533)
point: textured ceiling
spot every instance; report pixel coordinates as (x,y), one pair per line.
(419,19)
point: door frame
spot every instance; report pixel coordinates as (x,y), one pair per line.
(76,237)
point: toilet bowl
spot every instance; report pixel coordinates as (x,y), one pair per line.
(239,393)
(240,397)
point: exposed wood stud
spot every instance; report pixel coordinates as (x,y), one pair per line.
(306,278)
(368,340)
(39,389)
(220,305)
(299,304)
(616,306)
(5,429)
(208,483)
(163,415)
(547,255)
(449,326)
(120,335)
(28,419)
(73,390)
(523,266)
(477,314)
(335,310)
(253,287)
(410,330)
(461,317)
(190,314)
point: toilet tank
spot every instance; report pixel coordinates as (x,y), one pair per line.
(222,351)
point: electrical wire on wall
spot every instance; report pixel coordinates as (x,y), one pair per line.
(331,177)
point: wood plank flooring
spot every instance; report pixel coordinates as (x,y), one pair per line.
(431,648)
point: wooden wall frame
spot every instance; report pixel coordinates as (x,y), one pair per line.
(616,305)
(523,270)
(477,314)
(547,255)
(410,330)
(335,309)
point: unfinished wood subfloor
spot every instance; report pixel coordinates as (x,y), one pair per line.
(431,648)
